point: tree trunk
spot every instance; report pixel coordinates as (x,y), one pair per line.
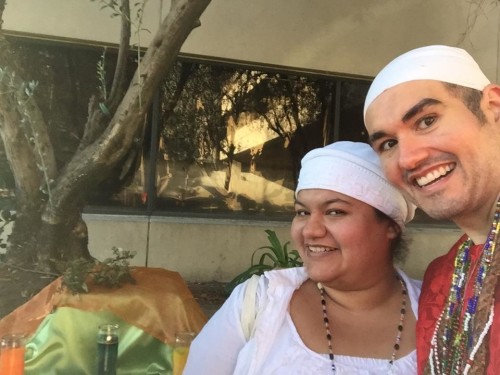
(49,201)
(47,247)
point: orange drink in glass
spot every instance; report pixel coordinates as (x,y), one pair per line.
(181,351)
(12,355)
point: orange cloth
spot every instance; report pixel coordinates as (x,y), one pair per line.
(160,303)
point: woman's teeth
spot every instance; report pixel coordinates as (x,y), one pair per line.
(319,249)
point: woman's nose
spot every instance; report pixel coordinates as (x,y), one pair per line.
(314,227)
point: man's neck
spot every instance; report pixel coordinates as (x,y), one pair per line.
(477,225)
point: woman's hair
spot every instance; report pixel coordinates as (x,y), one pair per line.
(399,245)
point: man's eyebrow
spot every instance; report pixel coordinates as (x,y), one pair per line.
(419,107)
(376,136)
(413,111)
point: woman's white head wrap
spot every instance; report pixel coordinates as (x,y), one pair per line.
(439,63)
(353,169)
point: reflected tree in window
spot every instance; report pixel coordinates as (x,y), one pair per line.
(233,138)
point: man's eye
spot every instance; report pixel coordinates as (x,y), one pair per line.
(426,122)
(300,213)
(387,145)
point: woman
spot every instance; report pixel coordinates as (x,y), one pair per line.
(348,310)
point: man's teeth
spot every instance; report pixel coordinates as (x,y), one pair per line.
(319,249)
(433,176)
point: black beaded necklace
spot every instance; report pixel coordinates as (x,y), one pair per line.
(404,292)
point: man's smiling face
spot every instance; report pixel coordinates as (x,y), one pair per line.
(433,148)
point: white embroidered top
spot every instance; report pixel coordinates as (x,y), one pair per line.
(275,347)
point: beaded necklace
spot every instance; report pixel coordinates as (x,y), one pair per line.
(452,345)
(397,342)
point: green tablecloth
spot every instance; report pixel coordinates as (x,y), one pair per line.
(62,328)
(66,344)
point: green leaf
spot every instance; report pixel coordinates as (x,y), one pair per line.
(275,253)
(104,109)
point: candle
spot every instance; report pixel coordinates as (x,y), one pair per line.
(181,351)
(12,361)
(107,349)
(179,359)
(12,355)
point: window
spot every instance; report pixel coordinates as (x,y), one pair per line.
(220,139)
(230,139)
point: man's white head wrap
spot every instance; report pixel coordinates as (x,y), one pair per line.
(353,169)
(439,63)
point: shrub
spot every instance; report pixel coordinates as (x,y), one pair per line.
(273,256)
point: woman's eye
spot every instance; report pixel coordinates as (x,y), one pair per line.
(335,212)
(300,213)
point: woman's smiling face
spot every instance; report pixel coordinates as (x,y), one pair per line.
(341,240)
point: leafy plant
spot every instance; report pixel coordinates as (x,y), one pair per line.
(101,76)
(273,256)
(112,272)
(6,217)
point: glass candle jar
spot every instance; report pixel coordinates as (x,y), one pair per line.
(181,350)
(107,349)
(12,349)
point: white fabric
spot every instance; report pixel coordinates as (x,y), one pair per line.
(276,348)
(353,169)
(438,63)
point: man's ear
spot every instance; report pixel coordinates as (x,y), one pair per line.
(491,101)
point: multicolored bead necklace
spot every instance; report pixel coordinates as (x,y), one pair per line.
(404,292)
(452,346)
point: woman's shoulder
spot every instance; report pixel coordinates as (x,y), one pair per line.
(410,282)
(292,274)
(414,288)
(270,282)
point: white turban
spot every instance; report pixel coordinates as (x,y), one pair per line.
(353,169)
(439,63)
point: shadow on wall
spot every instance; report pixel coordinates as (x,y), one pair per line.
(202,249)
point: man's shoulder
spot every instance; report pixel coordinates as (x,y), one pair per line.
(444,262)
(438,274)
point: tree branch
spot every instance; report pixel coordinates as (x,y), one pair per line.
(2,8)
(95,124)
(24,131)
(118,85)
(185,73)
(125,128)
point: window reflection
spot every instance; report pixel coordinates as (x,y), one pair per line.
(232,138)
(222,139)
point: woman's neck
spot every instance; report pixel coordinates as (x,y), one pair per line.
(366,298)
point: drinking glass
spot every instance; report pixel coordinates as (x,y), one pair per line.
(181,350)
(107,349)
(12,349)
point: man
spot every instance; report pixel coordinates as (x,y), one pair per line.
(434,119)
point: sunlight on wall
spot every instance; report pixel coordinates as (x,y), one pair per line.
(335,36)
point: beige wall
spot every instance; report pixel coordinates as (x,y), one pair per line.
(214,249)
(353,37)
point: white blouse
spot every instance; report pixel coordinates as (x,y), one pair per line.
(276,347)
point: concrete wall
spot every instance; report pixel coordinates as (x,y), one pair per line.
(215,249)
(355,37)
